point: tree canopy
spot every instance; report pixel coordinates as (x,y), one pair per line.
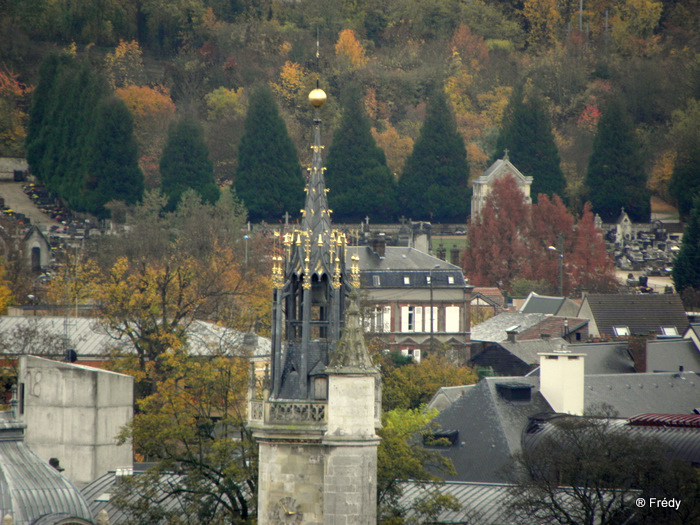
(433,185)
(527,137)
(616,178)
(686,268)
(185,164)
(268,178)
(359,180)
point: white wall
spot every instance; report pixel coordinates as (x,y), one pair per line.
(74,413)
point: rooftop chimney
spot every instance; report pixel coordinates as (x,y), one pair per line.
(379,245)
(561,381)
(512,333)
(637,345)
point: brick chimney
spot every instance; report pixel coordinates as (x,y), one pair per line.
(561,381)
(637,346)
(379,245)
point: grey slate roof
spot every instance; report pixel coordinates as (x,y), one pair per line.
(490,426)
(672,355)
(605,358)
(541,304)
(31,489)
(633,394)
(89,339)
(399,261)
(642,313)
(494,329)
(447,395)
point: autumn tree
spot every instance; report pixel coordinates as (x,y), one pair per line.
(359,180)
(516,246)
(496,243)
(543,21)
(616,177)
(124,65)
(401,457)
(410,385)
(349,51)
(528,139)
(195,420)
(268,178)
(5,292)
(433,185)
(14,97)
(153,111)
(185,163)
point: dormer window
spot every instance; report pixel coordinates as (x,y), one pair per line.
(406,280)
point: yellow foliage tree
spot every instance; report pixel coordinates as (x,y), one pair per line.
(350,51)
(124,66)
(292,84)
(544,21)
(75,282)
(153,111)
(6,298)
(396,148)
(225,103)
(633,24)
(13,95)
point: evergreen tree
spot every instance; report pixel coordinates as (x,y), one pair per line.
(527,135)
(685,179)
(268,178)
(185,164)
(686,268)
(434,184)
(359,180)
(115,173)
(615,177)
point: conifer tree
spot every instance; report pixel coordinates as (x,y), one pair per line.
(268,178)
(685,178)
(434,181)
(615,177)
(359,180)
(527,135)
(185,164)
(114,172)
(686,268)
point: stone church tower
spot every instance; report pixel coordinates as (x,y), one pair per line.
(316,414)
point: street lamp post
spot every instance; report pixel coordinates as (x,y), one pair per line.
(432,322)
(560,253)
(246,237)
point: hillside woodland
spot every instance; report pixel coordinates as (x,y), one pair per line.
(202,60)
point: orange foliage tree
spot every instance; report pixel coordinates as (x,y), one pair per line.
(14,97)
(349,50)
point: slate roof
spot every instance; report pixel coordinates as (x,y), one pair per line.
(31,489)
(494,329)
(89,339)
(400,261)
(490,426)
(641,313)
(541,304)
(447,395)
(672,355)
(605,358)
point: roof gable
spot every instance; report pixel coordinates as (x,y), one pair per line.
(501,168)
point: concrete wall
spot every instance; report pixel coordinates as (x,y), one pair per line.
(74,413)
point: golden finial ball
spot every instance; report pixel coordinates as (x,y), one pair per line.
(317,98)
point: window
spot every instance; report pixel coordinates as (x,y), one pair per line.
(380,319)
(411,319)
(427,279)
(669,330)
(621,331)
(452,319)
(376,281)
(450,279)
(406,279)
(411,352)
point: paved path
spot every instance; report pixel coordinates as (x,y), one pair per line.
(16,199)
